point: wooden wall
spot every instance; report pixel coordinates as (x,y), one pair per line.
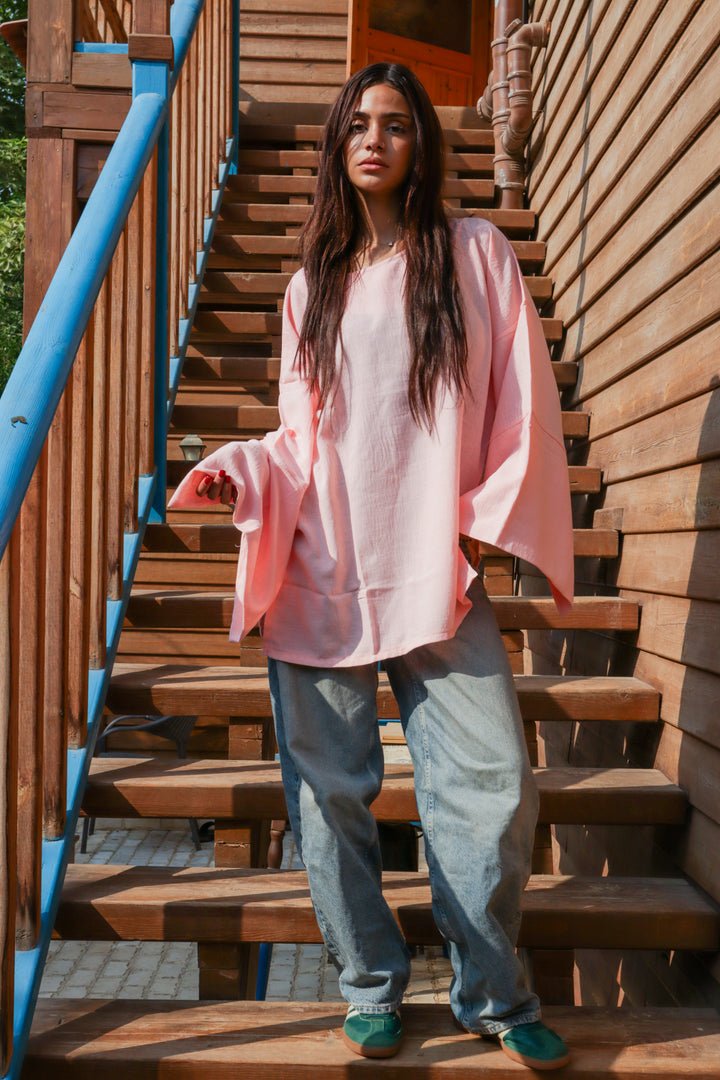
(292,50)
(625,163)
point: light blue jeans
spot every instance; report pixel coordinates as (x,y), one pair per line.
(476,798)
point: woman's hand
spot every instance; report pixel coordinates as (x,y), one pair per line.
(217,486)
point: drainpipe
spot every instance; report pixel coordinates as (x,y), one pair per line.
(507,99)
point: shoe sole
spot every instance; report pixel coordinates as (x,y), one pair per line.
(370,1051)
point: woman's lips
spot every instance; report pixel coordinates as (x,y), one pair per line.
(373,166)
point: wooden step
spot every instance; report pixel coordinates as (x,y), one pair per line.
(252,790)
(286,184)
(584,480)
(130,903)
(219,691)
(180,608)
(233,286)
(228,369)
(218,325)
(251,159)
(229,421)
(230,248)
(219,370)
(235,210)
(254,323)
(455,138)
(183,1040)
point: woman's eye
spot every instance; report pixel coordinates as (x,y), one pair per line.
(356,127)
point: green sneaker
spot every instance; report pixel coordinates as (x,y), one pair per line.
(375,1035)
(534,1045)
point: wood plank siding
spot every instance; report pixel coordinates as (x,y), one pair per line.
(292,50)
(625,159)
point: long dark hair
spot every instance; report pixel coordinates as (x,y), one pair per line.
(336,228)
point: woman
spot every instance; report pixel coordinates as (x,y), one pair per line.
(417,402)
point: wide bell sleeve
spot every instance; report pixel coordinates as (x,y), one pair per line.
(522,503)
(271,476)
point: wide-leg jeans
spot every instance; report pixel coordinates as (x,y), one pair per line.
(476,799)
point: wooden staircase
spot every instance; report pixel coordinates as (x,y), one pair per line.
(175,658)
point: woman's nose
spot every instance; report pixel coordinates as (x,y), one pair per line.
(374,137)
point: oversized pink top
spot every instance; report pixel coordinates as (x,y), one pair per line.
(350,519)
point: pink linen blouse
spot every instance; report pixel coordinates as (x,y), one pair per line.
(350,518)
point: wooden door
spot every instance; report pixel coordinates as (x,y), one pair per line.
(447,48)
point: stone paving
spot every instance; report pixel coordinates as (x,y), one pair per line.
(153,969)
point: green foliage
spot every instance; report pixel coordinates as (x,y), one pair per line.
(13,154)
(12,241)
(12,194)
(12,247)
(12,76)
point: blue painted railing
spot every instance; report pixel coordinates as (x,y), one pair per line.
(30,402)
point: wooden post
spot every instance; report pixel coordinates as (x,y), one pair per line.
(358,23)
(8,821)
(151,17)
(230,970)
(50,41)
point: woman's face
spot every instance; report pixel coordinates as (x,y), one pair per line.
(379,149)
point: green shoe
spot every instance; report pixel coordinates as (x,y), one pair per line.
(534,1045)
(374,1035)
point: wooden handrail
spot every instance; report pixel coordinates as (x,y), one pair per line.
(83,425)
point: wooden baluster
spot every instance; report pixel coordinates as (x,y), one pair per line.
(214,95)
(116,421)
(201,130)
(227,94)
(225,44)
(80,512)
(208,131)
(174,216)
(28,602)
(222,96)
(147,319)
(114,30)
(98,481)
(133,310)
(8,821)
(221,80)
(192,159)
(181,99)
(57,576)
